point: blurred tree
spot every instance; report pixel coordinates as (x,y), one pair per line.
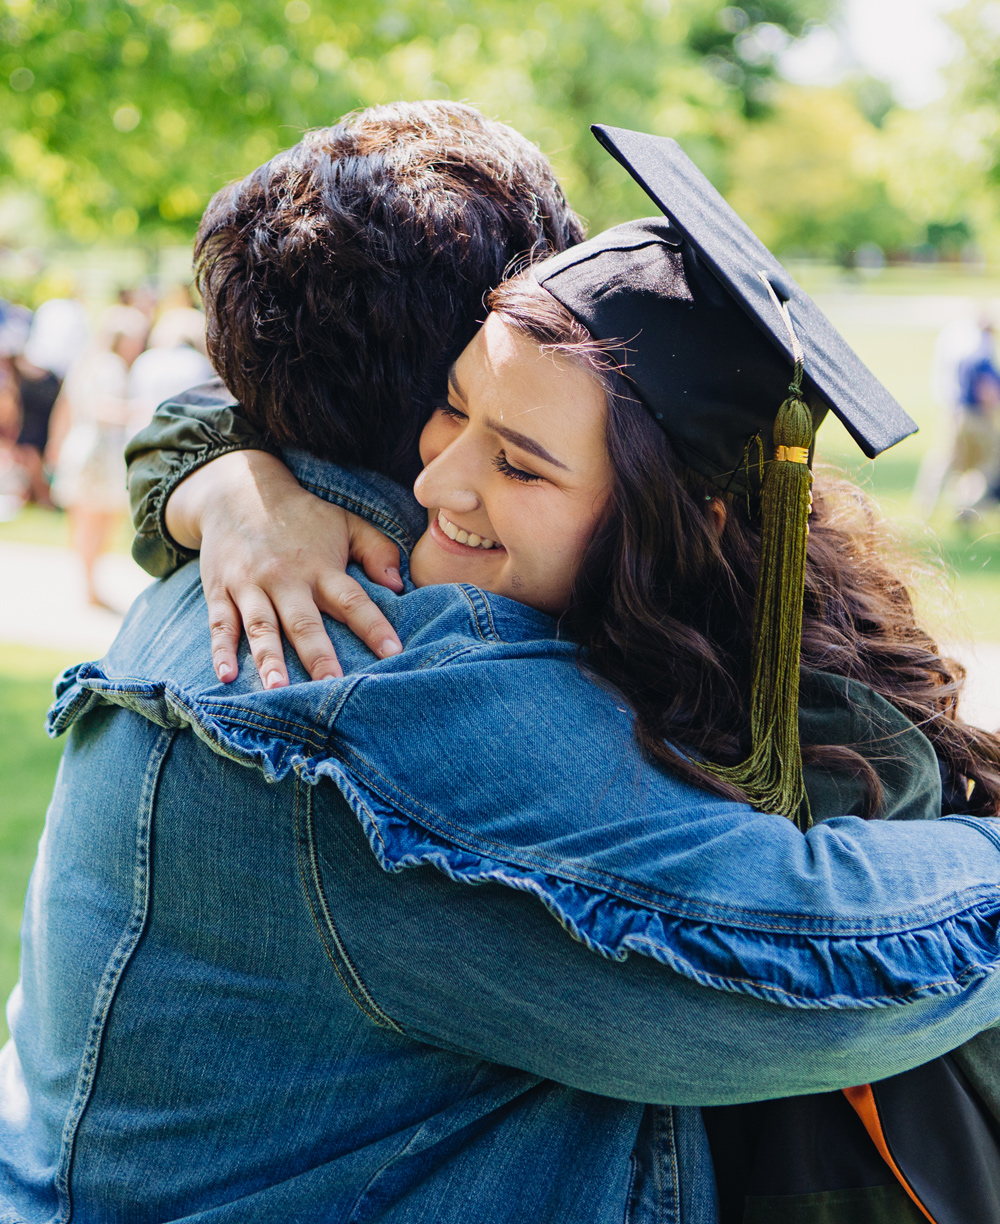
(973,118)
(811,181)
(123,116)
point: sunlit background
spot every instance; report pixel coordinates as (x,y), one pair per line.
(859,138)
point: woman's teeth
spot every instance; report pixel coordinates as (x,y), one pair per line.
(463,537)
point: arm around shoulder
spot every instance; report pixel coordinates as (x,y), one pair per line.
(487,971)
(185,434)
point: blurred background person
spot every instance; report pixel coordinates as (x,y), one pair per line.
(966,383)
(89,429)
(174,361)
(15,322)
(57,336)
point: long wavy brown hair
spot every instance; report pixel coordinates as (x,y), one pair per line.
(663,603)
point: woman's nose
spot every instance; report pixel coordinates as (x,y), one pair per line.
(446,484)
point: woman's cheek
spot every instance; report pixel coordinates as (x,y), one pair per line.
(434,437)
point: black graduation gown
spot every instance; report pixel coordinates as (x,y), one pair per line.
(920,1146)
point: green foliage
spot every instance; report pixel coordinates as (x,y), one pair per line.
(976,80)
(811,180)
(124,116)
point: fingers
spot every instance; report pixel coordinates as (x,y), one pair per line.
(225,625)
(376,553)
(345,600)
(260,622)
(252,611)
(303,626)
(271,563)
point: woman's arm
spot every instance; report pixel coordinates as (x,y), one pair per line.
(185,434)
(485,971)
(273,557)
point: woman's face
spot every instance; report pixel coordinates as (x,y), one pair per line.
(517,458)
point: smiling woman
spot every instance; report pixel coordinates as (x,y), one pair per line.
(516,471)
(544,452)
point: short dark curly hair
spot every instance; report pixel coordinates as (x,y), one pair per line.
(343,277)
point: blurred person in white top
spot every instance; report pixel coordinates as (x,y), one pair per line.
(89,429)
(174,361)
(57,335)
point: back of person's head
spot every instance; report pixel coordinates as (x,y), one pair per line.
(343,277)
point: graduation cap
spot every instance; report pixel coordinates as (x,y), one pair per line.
(729,355)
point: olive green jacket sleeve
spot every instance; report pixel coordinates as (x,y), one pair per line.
(185,433)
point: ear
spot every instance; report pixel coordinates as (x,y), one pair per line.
(717,515)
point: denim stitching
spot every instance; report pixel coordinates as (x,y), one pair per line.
(675,1182)
(630,1189)
(483,609)
(399,534)
(769,990)
(447,654)
(112,975)
(490,635)
(330,713)
(251,718)
(986,827)
(129,686)
(250,724)
(307,844)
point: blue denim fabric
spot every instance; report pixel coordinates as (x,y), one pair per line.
(236,1004)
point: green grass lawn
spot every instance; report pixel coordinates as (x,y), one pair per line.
(959,594)
(28,764)
(35,525)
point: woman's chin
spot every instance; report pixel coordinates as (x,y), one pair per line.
(431,564)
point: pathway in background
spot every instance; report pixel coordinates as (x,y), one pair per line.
(44,603)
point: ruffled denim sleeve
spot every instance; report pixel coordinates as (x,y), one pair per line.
(501,763)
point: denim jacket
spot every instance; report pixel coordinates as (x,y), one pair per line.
(256,984)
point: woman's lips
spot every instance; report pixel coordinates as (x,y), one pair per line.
(459,534)
(440,528)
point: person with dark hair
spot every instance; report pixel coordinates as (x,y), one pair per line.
(236,1004)
(340,280)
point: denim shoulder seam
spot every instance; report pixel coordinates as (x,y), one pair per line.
(983,824)
(377,516)
(482,614)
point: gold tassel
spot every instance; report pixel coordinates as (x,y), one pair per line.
(771,777)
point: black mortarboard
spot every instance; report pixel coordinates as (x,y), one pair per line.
(724,349)
(700,335)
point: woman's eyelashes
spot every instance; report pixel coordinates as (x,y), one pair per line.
(502,465)
(500,462)
(450,410)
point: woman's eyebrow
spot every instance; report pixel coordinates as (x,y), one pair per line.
(525,443)
(455,385)
(511,435)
